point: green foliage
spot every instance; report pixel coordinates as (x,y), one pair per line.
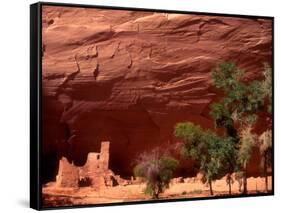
(246,145)
(267,86)
(188,131)
(214,154)
(265,146)
(157,170)
(247,142)
(236,112)
(221,115)
(241,99)
(254,100)
(192,136)
(218,111)
(265,141)
(226,76)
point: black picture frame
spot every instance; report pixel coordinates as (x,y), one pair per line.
(36,102)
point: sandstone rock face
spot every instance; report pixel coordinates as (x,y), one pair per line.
(129,76)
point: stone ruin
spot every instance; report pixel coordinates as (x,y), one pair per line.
(94,173)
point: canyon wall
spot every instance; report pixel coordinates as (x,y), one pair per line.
(129,76)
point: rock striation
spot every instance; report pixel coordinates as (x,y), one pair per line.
(129,76)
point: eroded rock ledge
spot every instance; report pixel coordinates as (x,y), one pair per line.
(128,77)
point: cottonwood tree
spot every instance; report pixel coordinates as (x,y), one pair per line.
(241,101)
(157,170)
(265,139)
(247,142)
(267,87)
(213,154)
(265,146)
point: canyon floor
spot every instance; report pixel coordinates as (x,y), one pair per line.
(190,188)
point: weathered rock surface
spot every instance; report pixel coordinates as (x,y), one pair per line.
(128,77)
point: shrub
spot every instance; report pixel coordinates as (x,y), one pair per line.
(157,170)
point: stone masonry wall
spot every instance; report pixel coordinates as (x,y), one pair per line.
(96,170)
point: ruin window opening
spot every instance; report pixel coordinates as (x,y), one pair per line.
(84,182)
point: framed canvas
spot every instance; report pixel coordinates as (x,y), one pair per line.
(134,105)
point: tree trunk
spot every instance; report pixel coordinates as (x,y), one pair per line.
(229,183)
(157,191)
(266,184)
(229,188)
(155,195)
(245,179)
(265,173)
(211,188)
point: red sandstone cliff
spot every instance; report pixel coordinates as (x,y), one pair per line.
(139,73)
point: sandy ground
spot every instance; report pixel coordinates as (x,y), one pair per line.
(53,196)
